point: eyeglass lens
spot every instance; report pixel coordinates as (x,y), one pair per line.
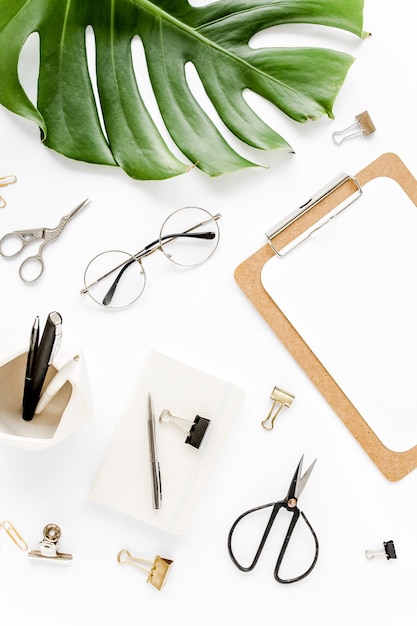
(195,236)
(115,288)
(188,237)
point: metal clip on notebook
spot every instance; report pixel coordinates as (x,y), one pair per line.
(312,202)
(363,126)
(280,399)
(156,574)
(195,430)
(48,547)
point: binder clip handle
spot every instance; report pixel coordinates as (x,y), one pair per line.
(280,399)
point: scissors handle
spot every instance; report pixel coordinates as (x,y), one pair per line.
(287,538)
(32,267)
(276,506)
(13,243)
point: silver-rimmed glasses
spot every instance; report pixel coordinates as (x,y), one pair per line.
(188,237)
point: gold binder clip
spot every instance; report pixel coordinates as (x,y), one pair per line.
(281,398)
(156,574)
(48,547)
(363,126)
(4,181)
(14,535)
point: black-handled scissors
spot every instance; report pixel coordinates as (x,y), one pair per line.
(289,503)
(15,242)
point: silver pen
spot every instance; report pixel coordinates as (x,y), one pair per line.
(155,469)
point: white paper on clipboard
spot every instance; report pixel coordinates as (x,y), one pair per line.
(349,291)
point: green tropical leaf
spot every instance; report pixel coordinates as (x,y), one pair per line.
(215,39)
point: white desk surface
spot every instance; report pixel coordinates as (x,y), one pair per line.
(203,319)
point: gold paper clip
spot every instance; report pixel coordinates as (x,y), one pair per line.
(195,430)
(14,535)
(48,547)
(4,181)
(388,551)
(363,126)
(281,398)
(156,574)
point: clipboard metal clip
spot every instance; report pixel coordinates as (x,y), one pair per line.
(280,399)
(323,193)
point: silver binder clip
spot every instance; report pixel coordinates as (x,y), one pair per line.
(48,547)
(280,399)
(195,430)
(388,551)
(158,571)
(363,126)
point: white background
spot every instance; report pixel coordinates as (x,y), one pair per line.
(203,319)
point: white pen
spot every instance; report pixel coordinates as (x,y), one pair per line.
(56,383)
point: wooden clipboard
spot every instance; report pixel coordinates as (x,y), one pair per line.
(393,465)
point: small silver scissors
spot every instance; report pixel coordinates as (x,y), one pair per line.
(15,242)
(289,503)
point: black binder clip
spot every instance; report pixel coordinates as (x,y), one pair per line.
(195,430)
(388,551)
(48,547)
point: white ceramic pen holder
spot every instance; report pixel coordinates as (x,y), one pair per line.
(68,410)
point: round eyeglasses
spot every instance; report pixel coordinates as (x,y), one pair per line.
(188,237)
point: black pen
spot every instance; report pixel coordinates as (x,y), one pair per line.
(33,347)
(45,353)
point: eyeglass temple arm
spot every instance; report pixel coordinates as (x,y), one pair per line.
(149,249)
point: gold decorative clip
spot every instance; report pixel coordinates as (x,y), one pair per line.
(281,398)
(48,547)
(4,181)
(14,535)
(156,574)
(363,126)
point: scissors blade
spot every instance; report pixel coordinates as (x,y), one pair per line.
(52,233)
(299,481)
(82,204)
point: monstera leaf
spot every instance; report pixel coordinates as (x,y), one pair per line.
(215,39)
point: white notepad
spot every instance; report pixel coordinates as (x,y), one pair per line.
(350,292)
(123,481)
